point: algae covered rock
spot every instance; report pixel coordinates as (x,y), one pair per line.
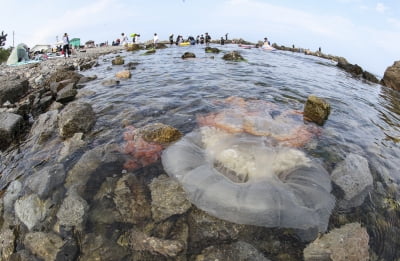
(187,55)
(233,56)
(159,133)
(316,110)
(118,61)
(211,50)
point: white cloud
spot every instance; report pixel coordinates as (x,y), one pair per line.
(380,8)
(394,22)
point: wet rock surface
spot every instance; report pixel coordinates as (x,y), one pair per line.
(316,110)
(391,78)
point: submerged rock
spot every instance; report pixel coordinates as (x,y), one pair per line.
(238,251)
(347,243)
(7,243)
(391,78)
(76,117)
(73,211)
(316,110)
(126,74)
(31,210)
(354,177)
(45,245)
(168,198)
(212,50)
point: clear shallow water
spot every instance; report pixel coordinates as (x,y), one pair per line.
(365,117)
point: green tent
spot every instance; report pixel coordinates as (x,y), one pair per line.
(75,42)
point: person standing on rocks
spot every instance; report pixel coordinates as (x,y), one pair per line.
(208,39)
(66,46)
(155,40)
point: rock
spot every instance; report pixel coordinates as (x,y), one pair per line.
(55,87)
(89,162)
(76,117)
(45,245)
(211,50)
(347,243)
(31,210)
(353,69)
(7,243)
(46,180)
(139,241)
(118,61)
(10,128)
(158,132)
(316,110)
(123,74)
(133,47)
(110,82)
(354,177)
(95,247)
(71,145)
(370,77)
(206,230)
(238,251)
(131,201)
(86,79)
(168,198)
(63,74)
(391,78)
(151,51)
(12,89)
(187,55)
(73,211)
(233,56)
(67,94)
(11,195)
(131,65)
(44,127)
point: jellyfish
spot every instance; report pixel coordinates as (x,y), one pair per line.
(244,164)
(249,179)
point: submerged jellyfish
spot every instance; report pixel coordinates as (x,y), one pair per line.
(240,167)
(247,180)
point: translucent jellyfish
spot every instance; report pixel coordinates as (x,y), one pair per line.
(249,179)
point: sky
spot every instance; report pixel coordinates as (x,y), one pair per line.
(365,32)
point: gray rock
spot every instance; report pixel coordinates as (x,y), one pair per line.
(110,82)
(354,177)
(71,145)
(31,210)
(46,180)
(89,162)
(7,243)
(347,243)
(73,211)
(10,127)
(11,195)
(12,89)
(44,245)
(76,117)
(67,94)
(238,251)
(44,128)
(168,198)
(391,78)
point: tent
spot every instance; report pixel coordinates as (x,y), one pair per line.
(75,42)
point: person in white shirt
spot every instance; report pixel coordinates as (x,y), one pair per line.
(155,40)
(66,46)
(124,40)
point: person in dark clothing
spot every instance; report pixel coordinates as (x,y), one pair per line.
(208,39)
(201,39)
(171,39)
(222,41)
(66,50)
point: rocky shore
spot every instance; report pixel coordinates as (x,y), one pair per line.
(48,190)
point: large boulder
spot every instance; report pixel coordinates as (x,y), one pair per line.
(76,117)
(12,89)
(391,78)
(355,179)
(353,69)
(348,243)
(316,110)
(10,127)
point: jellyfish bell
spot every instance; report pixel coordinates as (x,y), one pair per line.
(249,179)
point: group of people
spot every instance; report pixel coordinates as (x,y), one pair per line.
(125,40)
(200,39)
